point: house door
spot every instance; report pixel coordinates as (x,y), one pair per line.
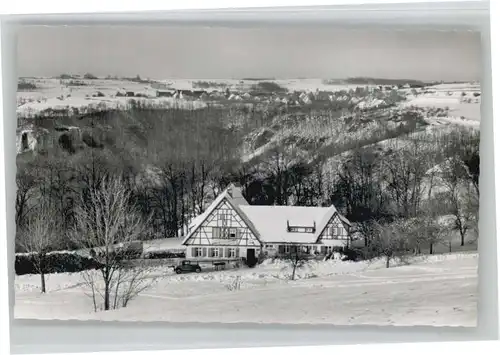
(250,254)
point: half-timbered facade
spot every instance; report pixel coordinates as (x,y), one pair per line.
(232,229)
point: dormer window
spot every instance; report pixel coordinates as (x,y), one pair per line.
(301,229)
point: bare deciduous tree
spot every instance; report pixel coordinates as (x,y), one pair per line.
(405,173)
(422,230)
(38,236)
(391,241)
(107,224)
(297,259)
(459,193)
(26,184)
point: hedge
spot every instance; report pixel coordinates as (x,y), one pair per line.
(164,254)
(55,263)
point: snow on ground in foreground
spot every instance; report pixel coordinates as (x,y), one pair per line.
(439,290)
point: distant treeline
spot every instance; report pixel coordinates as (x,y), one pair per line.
(258,79)
(378,81)
(208,84)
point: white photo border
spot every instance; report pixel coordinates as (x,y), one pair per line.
(73,336)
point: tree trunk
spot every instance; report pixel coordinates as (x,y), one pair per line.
(449,246)
(42,276)
(462,238)
(106,296)
(41,264)
(387,261)
(107,281)
(431,248)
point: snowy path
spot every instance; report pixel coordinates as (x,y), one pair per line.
(437,293)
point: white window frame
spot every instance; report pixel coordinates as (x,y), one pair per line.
(232,252)
(215,253)
(198,252)
(287,248)
(232,229)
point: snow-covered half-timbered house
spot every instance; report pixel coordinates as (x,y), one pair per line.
(230,228)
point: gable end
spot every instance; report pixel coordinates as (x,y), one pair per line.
(224,225)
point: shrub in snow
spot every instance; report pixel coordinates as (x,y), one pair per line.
(164,254)
(235,284)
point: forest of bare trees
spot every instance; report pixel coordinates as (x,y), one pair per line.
(172,162)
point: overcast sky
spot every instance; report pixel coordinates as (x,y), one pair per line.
(232,53)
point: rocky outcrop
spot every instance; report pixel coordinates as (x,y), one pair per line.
(35,139)
(31,139)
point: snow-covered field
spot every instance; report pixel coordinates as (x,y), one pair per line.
(55,94)
(438,290)
(462,102)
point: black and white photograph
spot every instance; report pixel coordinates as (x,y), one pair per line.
(243,174)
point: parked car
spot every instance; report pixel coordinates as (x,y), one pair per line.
(187,266)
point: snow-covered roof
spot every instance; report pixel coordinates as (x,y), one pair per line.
(271,222)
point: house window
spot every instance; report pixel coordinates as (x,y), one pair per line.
(287,248)
(214,253)
(224,217)
(232,252)
(198,252)
(224,233)
(337,232)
